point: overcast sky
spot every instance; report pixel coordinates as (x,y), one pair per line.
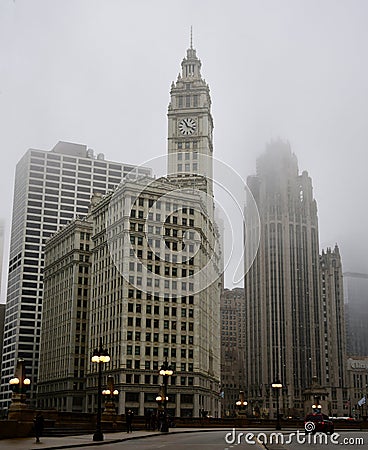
(99,73)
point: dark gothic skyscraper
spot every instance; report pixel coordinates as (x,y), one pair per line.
(286,338)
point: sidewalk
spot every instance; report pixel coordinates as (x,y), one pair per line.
(48,443)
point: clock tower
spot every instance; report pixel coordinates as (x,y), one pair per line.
(190,125)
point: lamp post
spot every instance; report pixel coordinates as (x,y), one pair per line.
(18,409)
(241,403)
(165,371)
(161,399)
(110,394)
(316,407)
(19,383)
(99,356)
(277,385)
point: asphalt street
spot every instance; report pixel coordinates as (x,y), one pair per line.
(215,440)
(212,440)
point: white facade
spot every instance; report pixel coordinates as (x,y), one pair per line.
(51,188)
(155,283)
(155,295)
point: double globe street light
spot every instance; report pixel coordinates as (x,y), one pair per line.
(110,394)
(19,384)
(241,403)
(166,371)
(99,356)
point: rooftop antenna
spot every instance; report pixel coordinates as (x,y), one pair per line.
(191,37)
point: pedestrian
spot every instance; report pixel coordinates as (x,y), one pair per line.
(160,420)
(38,426)
(148,419)
(153,420)
(129,420)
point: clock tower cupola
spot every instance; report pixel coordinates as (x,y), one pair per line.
(190,124)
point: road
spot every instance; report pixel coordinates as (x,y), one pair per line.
(354,439)
(215,440)
(205,440)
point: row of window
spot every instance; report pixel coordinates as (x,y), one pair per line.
(187,145)
(184,326)
(134,226)
(136,379)
(37,185)
(73,172)
(168,258)
(187,100)
(149,282)
(183,340)
(174,219)
(155,309)
(187,156)
(53,160)
(187,167)
(138,294)
(141,201)
(168,271)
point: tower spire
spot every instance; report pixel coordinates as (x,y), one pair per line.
(191,37)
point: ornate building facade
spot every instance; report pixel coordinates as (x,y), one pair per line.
(155,276)
(294,317)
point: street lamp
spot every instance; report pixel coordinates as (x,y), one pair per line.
(241,403)
(166,371)
(277,386)
(316,407)
(110,394)
(161,398)
(99,356)
(19,383)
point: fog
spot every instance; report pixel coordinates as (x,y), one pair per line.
(99,73)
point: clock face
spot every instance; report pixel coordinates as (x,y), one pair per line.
(187,126)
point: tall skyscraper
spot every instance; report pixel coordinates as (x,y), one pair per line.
(154,276)
(356,306)
(51,188)
(2,305)
(285,308)
(333,331)
(233,327)
(2,324)
(1,255)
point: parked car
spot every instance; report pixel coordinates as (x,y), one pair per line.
(318,422)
